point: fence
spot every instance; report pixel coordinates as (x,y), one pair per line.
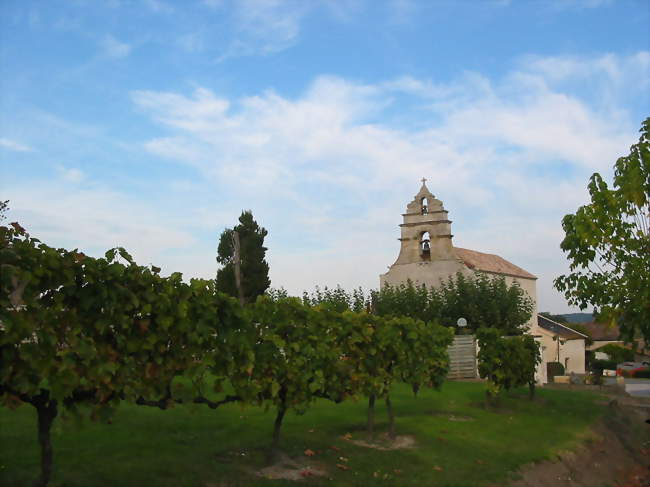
(462,356)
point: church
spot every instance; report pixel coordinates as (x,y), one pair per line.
(428,257)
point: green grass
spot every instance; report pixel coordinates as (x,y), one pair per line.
(197,446)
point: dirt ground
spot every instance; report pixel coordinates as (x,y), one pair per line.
(620,456)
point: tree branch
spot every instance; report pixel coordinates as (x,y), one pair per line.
(166,401)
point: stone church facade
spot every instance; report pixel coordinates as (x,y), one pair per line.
(427,256)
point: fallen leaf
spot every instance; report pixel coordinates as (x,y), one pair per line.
(480,462)
(437,468)
(342,467)
(310,431)
(347,436)
(397,471)
(306,473)
(440,438)
(335,448)
(343,459)
(375,474)
(309,453)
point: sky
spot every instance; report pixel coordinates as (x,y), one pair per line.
(151,124)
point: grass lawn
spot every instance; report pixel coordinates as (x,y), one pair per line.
(458,441)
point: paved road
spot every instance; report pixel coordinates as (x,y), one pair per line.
(634,387)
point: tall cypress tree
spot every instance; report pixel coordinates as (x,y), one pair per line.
(254,268)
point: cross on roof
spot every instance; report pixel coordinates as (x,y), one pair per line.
(424,180)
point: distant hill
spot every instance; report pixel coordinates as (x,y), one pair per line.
(579,317)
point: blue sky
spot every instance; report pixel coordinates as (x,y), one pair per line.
(151,124)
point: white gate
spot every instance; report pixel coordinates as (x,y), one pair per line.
(462,358)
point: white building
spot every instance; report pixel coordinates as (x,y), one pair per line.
(427,256)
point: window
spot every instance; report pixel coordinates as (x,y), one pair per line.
(423,205)
(425,243)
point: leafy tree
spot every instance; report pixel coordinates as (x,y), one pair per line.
(608,244)
(337,299)
(297,358)
(4,207)
(506,362)
(618,353)
(254,268)
(381,350)
(79,330)
(483,301)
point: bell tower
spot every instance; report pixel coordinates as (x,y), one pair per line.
(426,252)
(426,230)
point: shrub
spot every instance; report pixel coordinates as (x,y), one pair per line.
(507,362)
(599,365)
(617,353)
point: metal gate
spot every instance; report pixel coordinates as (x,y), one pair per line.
(462,358)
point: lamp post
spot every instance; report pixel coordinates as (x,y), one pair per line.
(461,323)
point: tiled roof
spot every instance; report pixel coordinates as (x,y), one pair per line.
(558,328)
(491,263)
(601,331)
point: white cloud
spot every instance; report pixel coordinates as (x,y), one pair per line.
(264,26)
(71,175)
(509,158)
(114,48)
(329,171)
(94,218)
(14,146)
(191,42)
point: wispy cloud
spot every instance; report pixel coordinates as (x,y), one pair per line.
(191,42)
(498,152)
(114,48)
(265,26)
(14,146)
(71,175)
(330,170)
(95,218)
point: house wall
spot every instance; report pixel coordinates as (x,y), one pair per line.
(431,274)
(572,356)
(573,350)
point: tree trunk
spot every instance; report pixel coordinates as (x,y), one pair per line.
(391,418)
(47,411)
(237,261)
(492,399)
(274,452)
(371,415)
(531,390)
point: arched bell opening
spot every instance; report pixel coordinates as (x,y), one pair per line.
(425,246)
(424,206)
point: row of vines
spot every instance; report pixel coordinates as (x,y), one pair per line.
(81,334)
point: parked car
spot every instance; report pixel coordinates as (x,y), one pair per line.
(630,369)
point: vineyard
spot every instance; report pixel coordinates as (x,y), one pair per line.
(84,337)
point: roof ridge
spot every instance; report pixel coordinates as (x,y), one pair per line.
(560,324)
(491,263)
